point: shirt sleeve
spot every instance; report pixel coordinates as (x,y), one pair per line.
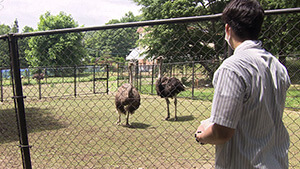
(228,98)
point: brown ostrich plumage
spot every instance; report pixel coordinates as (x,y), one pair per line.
(168,87)
(127,98)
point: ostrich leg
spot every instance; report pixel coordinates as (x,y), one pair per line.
(175,103)
(168,108)
(119,119)
(127,119)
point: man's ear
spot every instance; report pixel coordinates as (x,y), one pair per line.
(227,29)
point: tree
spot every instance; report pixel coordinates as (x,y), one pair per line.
(113,43)
(23,46)
(280,31)
(4,29)
(205,40)
(58,49)
(15,28)
(186,41)
(27,29)
(4,51)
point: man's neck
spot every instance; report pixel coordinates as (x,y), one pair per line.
(236,42)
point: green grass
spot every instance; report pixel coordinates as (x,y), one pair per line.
(81,132)
(205,94)
(293,97)
(77,132)
(293,66)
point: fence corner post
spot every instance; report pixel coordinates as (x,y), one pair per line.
(19,101)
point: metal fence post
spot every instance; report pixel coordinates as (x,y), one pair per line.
(75,93)
(28,76)
(19,101)
(1,83)
(171,69)
(94,79)
(193,80)
(46,75)
(118,76)
(107,76)
(137,75)
(39,83)
(152,78)
(140,77)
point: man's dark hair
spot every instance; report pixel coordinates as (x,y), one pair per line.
(245,18)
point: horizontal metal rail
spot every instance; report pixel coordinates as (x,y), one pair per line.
(144,23)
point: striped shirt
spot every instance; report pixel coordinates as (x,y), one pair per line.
(250,91)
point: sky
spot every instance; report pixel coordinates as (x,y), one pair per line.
(84,12)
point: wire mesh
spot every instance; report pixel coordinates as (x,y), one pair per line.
(70,81)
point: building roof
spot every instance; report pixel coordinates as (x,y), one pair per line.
(136,54)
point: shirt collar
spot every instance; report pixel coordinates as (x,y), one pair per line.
(247,44)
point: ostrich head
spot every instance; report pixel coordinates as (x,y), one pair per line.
(159,59)
(130,64)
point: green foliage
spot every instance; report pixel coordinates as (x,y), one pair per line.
(15,28)
(113,43)
(279,4)
(293,65)
(182,42)
(56,49)
(192,41)
(4,29)
(27,29)
(23,46)
(4,51)
(60,21)
(280,33)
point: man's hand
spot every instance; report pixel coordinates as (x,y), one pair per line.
(212,133)
(202,127)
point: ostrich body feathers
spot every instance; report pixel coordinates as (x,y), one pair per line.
(127,99)
(168,87)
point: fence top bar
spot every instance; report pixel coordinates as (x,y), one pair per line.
(123,25)
(5,36)
(282,11)
(143,23)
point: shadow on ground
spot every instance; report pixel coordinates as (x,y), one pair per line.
(137,126)
(36,120)
(182,118)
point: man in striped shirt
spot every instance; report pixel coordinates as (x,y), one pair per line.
(250,90)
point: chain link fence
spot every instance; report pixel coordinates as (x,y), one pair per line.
(69,94)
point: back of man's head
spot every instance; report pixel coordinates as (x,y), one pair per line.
(245,17)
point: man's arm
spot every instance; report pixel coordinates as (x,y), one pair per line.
(213,134)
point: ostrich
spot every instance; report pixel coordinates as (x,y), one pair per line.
(38,76)
(168,87)
(127,98)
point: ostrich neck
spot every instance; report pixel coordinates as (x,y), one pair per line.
(160,70)
(130,75)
